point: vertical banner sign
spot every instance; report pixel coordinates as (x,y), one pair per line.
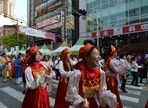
(17,49)
(12,50)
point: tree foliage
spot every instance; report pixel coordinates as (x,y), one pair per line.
(12,40)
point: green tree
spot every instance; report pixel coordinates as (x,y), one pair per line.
(12,40)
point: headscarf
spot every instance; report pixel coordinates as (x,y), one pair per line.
(33,50)
(83,52)
(64,52)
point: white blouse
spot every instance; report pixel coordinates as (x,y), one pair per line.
(63,72)
(116,67)
(104,96)
(40,80)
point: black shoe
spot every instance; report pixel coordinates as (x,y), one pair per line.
(124,91)
(24,92)
(132,84)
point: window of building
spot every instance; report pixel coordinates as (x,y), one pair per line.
(96,3)
(113,8)
(114,17)
(143,3)
(123,22)
(144,10)
(105,19)
(134,12)
(123,15)
(133,4)
(145,19)
(134,21)
(89,4)
(103,2)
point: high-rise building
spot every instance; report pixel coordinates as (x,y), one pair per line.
(52,16)
(118,22)
(7,7)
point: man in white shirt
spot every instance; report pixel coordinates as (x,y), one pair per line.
(135,67)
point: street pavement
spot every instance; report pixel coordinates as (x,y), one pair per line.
(11,94)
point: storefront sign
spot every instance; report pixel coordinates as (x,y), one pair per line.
(123,30)
(135,28)
(109,32)
(49,21)
(35,32)
(52,26)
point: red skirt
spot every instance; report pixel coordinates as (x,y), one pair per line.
(112,86)
(13,68)
(37,98)
(60,101)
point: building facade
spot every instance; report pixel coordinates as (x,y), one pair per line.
(7,7)
(52,16)
(119,22)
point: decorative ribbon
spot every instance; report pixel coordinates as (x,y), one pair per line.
(65,79)
(112,80)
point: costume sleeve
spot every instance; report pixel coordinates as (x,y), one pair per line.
(105,96)
(72,94)
(116,67)
(31,83)
(62,71)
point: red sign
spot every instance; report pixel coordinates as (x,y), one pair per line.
(135,28)
(122,30)
(94,34)
(109,32)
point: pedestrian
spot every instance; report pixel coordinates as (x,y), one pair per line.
(124,64)
(24,63)
(112,67)
(19,67)
(87,85)
(56,67)
(7,67)
(36,78)
(65,68)
(135,73)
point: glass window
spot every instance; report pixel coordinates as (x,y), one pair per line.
(113,17)
(104,2)
(144,10)
(133,4)
(122,15)
(134,21)
(89,4)
(113,8)
(144,19)
(143,3)
(123,22)
(105,19)
(122,6)
(114,24)
(96,3)
(134,12)
(104,11)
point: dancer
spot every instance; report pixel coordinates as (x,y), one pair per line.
(65,68)
(36,78)
(88,82)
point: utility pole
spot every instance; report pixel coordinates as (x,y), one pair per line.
(65,19)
